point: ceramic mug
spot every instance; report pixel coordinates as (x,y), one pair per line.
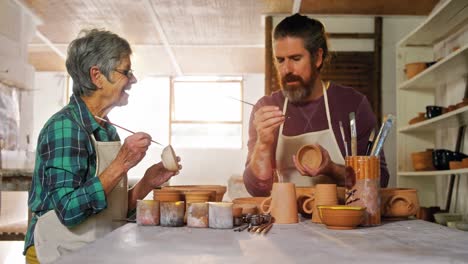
(325,194)
(399,202)
(282,204)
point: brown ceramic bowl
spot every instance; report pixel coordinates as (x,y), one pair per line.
(219,189)
(309,155)
(422,161)
(248,202)
(413,69)
(455,165)
(465,162)
(341,217)
(163,195)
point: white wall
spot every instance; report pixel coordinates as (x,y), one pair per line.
(393,30)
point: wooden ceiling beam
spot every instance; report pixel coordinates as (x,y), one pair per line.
(368,7)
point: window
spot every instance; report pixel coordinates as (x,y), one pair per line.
(206,113)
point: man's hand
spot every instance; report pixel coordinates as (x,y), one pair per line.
(325,168)
(267,120)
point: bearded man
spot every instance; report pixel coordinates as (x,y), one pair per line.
(305,111)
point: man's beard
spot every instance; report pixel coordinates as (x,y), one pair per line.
(299,92)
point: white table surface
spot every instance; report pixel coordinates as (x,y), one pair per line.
(412,241)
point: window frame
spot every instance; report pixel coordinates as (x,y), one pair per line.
(223,79)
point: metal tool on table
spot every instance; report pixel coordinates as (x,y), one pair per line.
(255,222)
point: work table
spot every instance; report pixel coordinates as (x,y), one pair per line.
(410,241)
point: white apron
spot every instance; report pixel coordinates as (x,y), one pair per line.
(52,239)
(289,145)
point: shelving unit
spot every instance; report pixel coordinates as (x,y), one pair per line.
(415,94)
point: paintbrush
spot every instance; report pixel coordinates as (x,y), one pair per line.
(370,142)
(121,127)
(352,122)
(344,139)
(241,100)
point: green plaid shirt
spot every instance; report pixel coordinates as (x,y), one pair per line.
(64,176)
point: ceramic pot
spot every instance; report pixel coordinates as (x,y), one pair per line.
(197,215)
(220,215)
(399,202)
(147,212)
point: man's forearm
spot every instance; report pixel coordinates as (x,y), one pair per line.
(261,162)
(258,175)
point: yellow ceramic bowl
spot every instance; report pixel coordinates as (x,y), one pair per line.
(341,217)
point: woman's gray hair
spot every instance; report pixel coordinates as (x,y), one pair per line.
(95,47)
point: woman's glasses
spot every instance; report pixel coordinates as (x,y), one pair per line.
(128,73)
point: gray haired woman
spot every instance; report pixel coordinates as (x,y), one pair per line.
(79,185)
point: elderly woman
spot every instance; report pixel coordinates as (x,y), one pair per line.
(79,190)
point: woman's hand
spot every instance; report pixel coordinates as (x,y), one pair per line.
(133,150)
(157,174)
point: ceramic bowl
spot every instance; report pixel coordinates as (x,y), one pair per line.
(461,225)
(309,155)
(443,218)
(220,190)
(422,161)
(169,159)
(341,217)
(249,204)
(452,224)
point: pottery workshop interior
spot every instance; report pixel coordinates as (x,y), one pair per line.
(233,131)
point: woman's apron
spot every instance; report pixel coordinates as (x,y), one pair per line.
(52,239)
(289,145)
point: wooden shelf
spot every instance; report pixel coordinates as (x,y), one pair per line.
(452,67)
(450,16)
(432,173)
(451,119)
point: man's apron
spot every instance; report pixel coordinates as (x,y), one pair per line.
(289,145)
(52,239)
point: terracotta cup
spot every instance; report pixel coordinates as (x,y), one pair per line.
(282,204)
(197,214)
(365,192)
(399,202)
(220,215)
(172,213)
(325,194)
(147,212)
(196,197)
